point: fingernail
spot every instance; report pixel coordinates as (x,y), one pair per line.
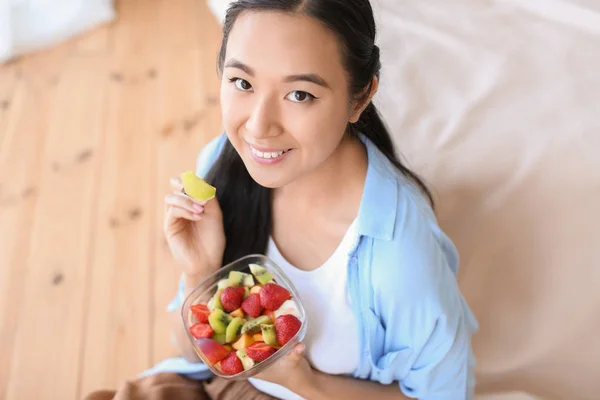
(198,207)
(300,349)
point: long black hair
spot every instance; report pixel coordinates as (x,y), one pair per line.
(246,205)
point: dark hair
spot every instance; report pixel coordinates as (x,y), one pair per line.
(246,205)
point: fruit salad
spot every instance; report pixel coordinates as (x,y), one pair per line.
(246,321)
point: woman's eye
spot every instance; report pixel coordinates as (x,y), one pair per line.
(299,96)
(241,84)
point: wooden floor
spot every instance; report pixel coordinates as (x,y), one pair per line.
(90,132)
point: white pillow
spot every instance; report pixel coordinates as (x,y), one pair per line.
(28,25)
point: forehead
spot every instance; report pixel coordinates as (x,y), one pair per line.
(280,43)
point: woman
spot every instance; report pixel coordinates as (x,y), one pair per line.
(306,173)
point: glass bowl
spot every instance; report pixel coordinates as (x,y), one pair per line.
(213,348)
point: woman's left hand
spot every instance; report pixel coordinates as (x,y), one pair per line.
(292,371)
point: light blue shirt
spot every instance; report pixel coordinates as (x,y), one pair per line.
(414,325)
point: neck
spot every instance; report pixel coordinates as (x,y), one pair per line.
(341,176)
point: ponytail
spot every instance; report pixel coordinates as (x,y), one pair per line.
(372,126)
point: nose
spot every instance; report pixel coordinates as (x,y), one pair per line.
(264,120)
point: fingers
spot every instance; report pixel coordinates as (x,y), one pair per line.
(299,349)
(297,352)
(175,213)
(179,206)
(181,200)
(176,184)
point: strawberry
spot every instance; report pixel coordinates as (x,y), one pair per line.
(201,331)
(201,312)
(251,305)
(272,296)
(286,326)
(232,365)
(212,350)
(232,297)
(260,351)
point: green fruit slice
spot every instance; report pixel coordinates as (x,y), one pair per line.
(248,281)
(196,187)
(247,362)
(215,302)
(262,275)
(253,326)
(233,329)
(223,283)
(219,321)
(269,334)
(236,278)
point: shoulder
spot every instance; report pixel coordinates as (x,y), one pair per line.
(209,154)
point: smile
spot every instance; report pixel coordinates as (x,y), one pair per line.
(267,156)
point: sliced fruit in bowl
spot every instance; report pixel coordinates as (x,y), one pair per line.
(212,349)
(244,319)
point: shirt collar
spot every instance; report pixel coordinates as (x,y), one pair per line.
(379,202)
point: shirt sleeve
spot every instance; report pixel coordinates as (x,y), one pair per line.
(427,324)
(207,157)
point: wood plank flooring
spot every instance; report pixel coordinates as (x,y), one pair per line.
(90,132)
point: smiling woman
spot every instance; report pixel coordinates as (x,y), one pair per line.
(306,173)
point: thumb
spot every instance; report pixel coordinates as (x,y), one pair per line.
(298,352)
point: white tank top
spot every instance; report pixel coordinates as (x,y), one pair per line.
(331,339)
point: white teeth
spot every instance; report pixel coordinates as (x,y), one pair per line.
(267,155)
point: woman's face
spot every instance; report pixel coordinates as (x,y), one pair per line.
(284,95)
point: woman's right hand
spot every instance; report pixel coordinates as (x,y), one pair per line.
(194,231)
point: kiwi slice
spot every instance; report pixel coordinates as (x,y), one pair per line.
(262,275)
(223,283)
(219,337)
(215,302)
(219,320)
(269,335)
(253,325)
(233,329)
(236,278)
(248,281)
(247,362)
(246,293)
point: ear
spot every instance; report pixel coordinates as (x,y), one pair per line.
(360,106)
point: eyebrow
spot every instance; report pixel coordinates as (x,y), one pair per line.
(313,78)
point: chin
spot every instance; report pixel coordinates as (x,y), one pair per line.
(268,180)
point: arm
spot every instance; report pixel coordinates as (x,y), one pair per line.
(428,324)
(295,373)
(330,387)
(187,283)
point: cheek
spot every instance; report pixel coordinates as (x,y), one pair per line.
(226,107)
(232,111)
(321,126)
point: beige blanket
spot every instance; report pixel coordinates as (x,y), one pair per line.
(497,105)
